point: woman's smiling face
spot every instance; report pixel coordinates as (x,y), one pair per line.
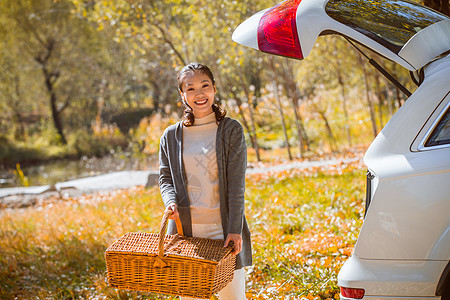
(197,91)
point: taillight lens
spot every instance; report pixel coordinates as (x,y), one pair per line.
(352,293)
(277,30)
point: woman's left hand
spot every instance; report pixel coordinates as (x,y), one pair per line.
(237,240)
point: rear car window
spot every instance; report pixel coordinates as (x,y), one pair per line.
(441,133)
(389,22)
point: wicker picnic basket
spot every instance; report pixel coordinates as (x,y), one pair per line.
(169,264)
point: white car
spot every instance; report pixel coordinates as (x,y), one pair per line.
(403,249)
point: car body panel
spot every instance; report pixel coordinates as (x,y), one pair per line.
(427,44)
(408,217)
(391,278)
(247,33)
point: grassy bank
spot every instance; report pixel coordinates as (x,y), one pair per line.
(304,226)
(38,150)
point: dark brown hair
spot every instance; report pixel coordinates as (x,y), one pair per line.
(188,112)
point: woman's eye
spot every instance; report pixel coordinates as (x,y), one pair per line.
(205,85)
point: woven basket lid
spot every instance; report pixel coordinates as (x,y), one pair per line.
(174,245)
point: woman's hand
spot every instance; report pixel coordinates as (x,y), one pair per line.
(172,207)
(237,240)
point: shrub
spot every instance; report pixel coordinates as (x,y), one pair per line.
(147,135)
(10,153)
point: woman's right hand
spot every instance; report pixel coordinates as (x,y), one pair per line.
(172,207)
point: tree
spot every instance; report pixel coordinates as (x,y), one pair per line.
(286,73)
(279,105)
(321,110)
(368,95)
(341,82)
(59,43)
(242,83)
(11,92)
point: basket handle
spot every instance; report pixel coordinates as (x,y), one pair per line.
(159,262)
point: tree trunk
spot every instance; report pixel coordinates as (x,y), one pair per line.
(299,126)
(331,139)
(369,100)
(56,117)
(241,112)
(291,88)
(305,136)
(244,120)
(50,79)
(399,95)
(389,98)
(399,98)
(98,117)
(253,139)
(304,140)
(280,109)
(380,99)
(156,94)
(252,119)
(252,124)
(344,101)
(100,105)
(19,133)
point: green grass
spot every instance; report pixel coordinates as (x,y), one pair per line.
(304,225)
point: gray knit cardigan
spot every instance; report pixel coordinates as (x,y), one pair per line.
(231,154)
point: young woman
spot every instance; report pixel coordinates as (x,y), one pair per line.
(202,172)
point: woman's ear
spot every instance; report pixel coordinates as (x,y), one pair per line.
(182,96)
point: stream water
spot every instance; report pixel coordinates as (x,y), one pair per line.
(64,170)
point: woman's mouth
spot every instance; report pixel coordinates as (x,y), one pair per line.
(201,102)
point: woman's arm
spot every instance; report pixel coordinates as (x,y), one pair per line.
(165,175)
(236,167)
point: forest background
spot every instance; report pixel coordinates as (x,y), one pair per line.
(85,78)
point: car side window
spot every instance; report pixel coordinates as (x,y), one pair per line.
(441,133)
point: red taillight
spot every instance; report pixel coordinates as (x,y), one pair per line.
(277,30)
(352,293)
